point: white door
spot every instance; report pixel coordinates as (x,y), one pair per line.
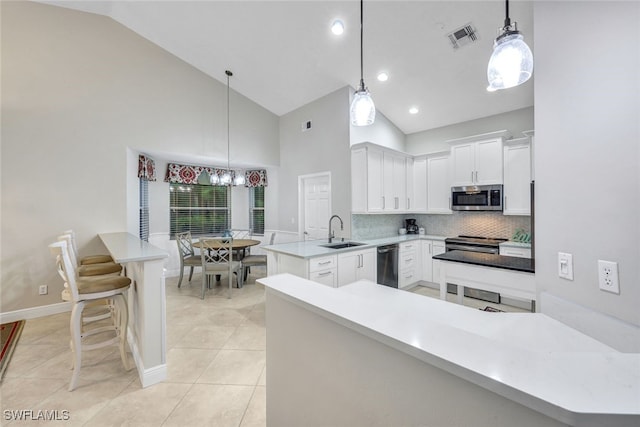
(316,205)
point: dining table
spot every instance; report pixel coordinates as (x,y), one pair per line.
(238,245)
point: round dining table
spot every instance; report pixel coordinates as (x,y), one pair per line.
(239,245)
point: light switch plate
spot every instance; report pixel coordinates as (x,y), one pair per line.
(565,265)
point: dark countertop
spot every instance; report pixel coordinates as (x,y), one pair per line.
(526,265)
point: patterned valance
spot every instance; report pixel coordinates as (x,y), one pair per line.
(188,174)
(146,168)
(255,178)
(183,174)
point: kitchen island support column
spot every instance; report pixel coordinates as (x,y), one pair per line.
(147,303)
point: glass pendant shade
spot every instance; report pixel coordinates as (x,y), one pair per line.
(239,179)
(511,63)
(226,178)
(363,111)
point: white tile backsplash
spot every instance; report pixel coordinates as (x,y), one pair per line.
(485,224)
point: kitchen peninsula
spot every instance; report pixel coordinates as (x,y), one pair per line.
(370,355)
(505,275)
(146,334)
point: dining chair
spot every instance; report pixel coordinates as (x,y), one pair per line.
(216,258)
(90,269)
(187,255)
(255,260)
(81,292)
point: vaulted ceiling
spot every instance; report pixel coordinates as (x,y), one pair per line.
(283,54)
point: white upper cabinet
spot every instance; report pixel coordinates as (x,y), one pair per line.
(517,177)
(395,182)
(438,183)
(417,184)
(477,160)
(378,180)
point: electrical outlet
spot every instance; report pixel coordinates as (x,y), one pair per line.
(608,276)
(565,265)
(43,290)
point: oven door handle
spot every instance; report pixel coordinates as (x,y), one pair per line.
(455,247)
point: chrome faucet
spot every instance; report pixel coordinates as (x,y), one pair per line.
(331,233)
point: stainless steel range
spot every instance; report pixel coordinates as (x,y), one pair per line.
(474,244)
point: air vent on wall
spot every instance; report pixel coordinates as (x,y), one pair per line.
(463,36)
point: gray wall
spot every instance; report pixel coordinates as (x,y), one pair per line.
(324,148)
(80,94)
(434,140)
(587,151)
(381,132)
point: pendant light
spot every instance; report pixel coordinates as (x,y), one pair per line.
(226,176)
(363,111)
(511,63)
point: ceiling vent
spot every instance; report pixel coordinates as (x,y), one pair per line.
(463,36)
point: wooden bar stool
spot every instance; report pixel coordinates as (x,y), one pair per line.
(109,290)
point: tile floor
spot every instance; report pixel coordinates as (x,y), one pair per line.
(215,357)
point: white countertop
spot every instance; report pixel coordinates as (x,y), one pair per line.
(125,247)
(313,248)
(527,357)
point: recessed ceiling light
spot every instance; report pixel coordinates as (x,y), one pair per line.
(337,27)
(413,110)
(383,77)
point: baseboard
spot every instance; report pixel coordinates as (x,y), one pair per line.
(148,377)
(35,312)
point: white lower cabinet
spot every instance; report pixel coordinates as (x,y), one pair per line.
(324,270)
(356,265)
(408,266)
(430,269)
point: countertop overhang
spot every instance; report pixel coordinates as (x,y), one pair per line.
(526,265)
(529,358)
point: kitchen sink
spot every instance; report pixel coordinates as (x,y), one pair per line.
(342,245)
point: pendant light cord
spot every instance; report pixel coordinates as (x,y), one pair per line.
(361,47)
(229,74)
(507,21)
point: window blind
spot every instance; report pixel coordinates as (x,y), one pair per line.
(256,209)
(144,210)
(201,209)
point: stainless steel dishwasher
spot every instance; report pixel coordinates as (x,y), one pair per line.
(388,265)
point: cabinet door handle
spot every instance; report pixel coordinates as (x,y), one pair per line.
(326,273)
(408,202)
(505,202)
(324,263)
(471,176)
(450,204)
(430,249)
(476,176)
(397,202)
(383,203)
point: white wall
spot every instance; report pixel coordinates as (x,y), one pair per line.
(323,148)
(81,94)
(382,132)
(587,151)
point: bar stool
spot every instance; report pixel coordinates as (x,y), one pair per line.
(91,269)
(109,290)
(89,259)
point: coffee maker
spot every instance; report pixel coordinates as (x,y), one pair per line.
(411,226)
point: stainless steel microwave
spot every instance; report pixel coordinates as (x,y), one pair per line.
(476,198)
